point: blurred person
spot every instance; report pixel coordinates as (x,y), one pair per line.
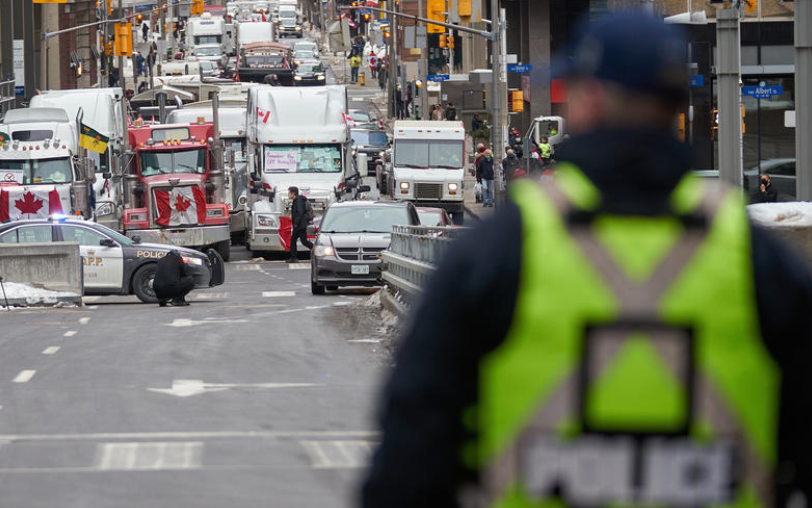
(765,192)
(172,282)
(450,112)
(485,176)
(510,164)
(621,336)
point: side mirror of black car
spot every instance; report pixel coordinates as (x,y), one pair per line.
(107,242)
(136,239)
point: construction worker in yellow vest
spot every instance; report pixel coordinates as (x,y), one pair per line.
(618,337)
(546,150)
(355,64)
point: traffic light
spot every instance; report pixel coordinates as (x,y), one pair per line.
(109,7)
(124,39)
(443,40)
(139,18)
(517,98)
(197,8)
(464,10)
(366,17)
(450,42)
(435,10)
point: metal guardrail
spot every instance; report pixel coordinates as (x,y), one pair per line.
(7,96)
(413,255)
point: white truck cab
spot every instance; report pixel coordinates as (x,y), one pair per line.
(428,164)
(296,137)
(554,127)
(101,109)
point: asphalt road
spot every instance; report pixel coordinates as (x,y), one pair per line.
(258,394)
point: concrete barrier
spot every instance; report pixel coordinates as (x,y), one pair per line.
(792,222)
(56,265)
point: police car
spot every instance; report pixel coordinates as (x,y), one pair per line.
(112,263)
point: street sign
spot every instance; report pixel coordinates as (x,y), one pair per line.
(697,81)
(438,78)
(520,69)
(763,92)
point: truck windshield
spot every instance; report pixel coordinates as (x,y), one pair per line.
(373,219)
(29,172)
(302,159)
(208,51)
(167,162)
(207,39)
(369,138)
(425,153)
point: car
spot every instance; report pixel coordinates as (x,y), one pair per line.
(363,118)
(304,56)
(781,172)
(289,27)
(350,239)
(436,217)
(371,141)
(113,263)
(306,46)
(309,72)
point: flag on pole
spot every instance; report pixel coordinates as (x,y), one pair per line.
(91,139)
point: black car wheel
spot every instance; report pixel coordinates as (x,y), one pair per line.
(142,283)
(316,289)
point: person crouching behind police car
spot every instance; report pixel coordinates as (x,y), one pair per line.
(172,282)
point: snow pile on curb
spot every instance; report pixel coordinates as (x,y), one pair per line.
(794,214)
(16,293)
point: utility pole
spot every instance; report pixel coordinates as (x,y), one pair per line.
(394,65)
(322,22)
(803,98)
(424,69)
(496,99)
(729,76)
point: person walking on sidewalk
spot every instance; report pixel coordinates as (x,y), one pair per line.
(355,64)
(485,175)
(300,216)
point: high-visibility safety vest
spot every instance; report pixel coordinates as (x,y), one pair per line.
(634,373)
(546,150)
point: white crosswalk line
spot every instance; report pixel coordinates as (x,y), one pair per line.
(142,456)
(278,294)
(299,266)
(209,296)
(246,268)
(338,454)
(24,376)
(50,350)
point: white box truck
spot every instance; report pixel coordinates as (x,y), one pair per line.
(296,137)
(428,165)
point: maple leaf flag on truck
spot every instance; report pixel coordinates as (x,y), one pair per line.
(180,206)
(18,203)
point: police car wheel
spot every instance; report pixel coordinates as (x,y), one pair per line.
(142,283)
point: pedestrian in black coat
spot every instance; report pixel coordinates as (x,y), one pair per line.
(299,221)
(172,282)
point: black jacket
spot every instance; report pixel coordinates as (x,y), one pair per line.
(169,272)
(298,213)
(468,308)
(510,164)
(770,195)
(484,170)
(451,113)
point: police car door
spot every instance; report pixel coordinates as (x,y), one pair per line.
(103,264)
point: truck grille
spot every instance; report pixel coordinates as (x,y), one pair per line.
(428,191)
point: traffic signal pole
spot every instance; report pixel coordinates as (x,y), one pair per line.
(424,68)
(803,98)
(729,77)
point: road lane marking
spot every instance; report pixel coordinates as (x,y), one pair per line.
(278,294)
(69,334)
(50,350)
(370,341)
(24,376)
(269,434)
(183,323)
(142,456)
(85,320)
(242,268)
(299,266)
(191,387)
(91,298)
(338,454)
(209,296)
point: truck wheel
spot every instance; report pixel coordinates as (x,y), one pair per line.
(316,289)
(224,249)
(142,283)
(458,218)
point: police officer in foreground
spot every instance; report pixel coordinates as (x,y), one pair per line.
(622,336)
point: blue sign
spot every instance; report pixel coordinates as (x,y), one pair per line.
(697,81)
(437,78)
(520,69)
(763,92)
(384,21)
(19,90)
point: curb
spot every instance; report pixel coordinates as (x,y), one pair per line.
(49,302)
(389,303)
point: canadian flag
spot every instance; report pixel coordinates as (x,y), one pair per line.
(20,203)
(180,205)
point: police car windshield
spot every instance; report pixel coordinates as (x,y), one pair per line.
(115,235)
(170,162)
(423,153)
(373,219)
(28,172)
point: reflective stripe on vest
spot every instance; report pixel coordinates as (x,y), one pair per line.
(634,371)
(546,150)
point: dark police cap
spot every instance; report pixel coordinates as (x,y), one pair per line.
(635,50)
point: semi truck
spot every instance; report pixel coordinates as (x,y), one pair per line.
(296,137)
(101,110)
(174,190)
(41,173)
(232,132)
(428,165)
